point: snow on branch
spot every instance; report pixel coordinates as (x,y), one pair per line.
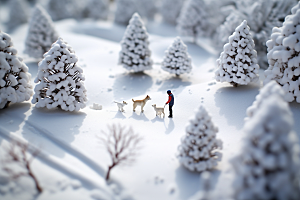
(122,145)
(16,154)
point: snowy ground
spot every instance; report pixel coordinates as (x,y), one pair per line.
(73,163)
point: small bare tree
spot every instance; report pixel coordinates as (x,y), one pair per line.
(121,144)
(16,153)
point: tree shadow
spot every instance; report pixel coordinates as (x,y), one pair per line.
(12,117)
(129,85)
(141,116)
(184,176)
(233,104)
(173,82)
(61,125)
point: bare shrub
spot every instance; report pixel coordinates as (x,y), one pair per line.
(16,154)
(121,144)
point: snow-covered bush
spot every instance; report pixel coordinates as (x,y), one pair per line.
(170,10)
(193,19)
(283,56)
(15,85)
(60,80)
(18,13)
(198,149)
(135,53)
(62,9)
(147,8)
(97,9)
(269,160)
(272,88)
(177,60)
(124,11)
(41,33)
(237,64)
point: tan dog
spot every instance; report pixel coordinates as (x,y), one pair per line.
(159,110)
(141,103)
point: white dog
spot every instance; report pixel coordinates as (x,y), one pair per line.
(159,110)
(141,103)
(121,105)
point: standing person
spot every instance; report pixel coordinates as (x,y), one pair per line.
(171,103)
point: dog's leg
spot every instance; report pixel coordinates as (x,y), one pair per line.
(163,113)
(134,107)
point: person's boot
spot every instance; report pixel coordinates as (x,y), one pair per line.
(170,116)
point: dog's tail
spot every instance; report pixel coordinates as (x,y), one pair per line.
(132,100)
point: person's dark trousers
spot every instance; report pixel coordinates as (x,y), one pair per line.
(170,111)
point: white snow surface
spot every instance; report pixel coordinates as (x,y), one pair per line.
(71,151)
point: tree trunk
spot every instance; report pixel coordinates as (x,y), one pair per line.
(108,171)
(7,104)
(37,185)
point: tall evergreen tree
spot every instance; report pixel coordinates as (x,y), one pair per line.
(198,149)
(283,56)
(124,11)
(177,60)
(97,9)
(237,64)
(268,162)
(60,80)
(15,80)
(193,19)
(41,33)
(18,13)
(135,53)
(170,10)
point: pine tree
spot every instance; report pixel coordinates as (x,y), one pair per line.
(193,19)
(283,51)
(147,8)
(124,11)
(15,80)
(60,80)
(97,9)
(135,53)
(41,33)
(18,13)
(62,9)
(237,64)
(198,149)
(177,60)
(269,162)
(170,10)
(272,88)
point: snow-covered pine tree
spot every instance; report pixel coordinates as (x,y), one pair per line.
(198,149)
(60,80)
(41,33)
(15,80)
(193,19)
(177,60)
(18,13)
(170,10)
(135,54)
(62,9)
(147,8)
(237,64)
(283,56)
(97,9)
(124,11)
(272,88)
(268,164)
